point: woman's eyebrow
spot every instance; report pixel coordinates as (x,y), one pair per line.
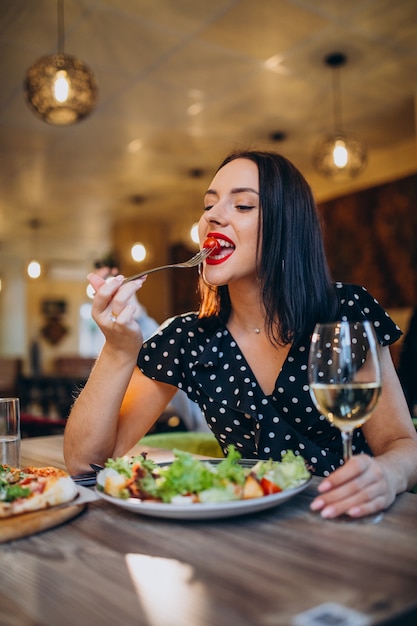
(233,191)
(244,189)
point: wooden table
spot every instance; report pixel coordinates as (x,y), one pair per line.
(110,566)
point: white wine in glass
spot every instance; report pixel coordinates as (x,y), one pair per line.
(345,382)
(345,375)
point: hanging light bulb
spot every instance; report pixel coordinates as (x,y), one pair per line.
(60,88)
(34,269)
(138,252)
(194,233)
(340,153)
(340,156)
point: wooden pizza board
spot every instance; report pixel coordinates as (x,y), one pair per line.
(37,521)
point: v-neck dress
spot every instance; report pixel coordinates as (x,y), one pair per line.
(201,357)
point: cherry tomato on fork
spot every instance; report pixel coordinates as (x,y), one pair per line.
(212,243)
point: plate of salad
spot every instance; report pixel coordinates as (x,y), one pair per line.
(191,488)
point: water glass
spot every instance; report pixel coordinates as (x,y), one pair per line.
(10,431)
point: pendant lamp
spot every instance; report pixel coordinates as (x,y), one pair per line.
(59,88)
(34,268)
(339,156)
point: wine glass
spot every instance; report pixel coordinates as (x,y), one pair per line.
(345,375)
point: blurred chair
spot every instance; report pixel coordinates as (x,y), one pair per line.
(73,366)
(10,371)
(203,444)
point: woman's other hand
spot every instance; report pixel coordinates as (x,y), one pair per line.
(360,487)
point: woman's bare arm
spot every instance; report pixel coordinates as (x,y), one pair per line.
(114,410)
(118,404)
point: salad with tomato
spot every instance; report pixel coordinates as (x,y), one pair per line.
(189,480)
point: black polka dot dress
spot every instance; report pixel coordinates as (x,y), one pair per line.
(201,357)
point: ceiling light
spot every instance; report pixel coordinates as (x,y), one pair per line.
(90,291)
(138,252)
(340,156)
(34,269)
(60,88)
(194,233)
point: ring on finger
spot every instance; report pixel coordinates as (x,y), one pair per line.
(113,317)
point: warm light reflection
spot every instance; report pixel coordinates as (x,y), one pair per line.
(168,589)
(61,86)
(34,269)
(275,63)
(194,233)
(138,252)
(134,146)
(340,153)
(90,291)
(195,109)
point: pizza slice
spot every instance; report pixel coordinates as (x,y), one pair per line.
(33,489)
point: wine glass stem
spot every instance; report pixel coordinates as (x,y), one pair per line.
(347,445)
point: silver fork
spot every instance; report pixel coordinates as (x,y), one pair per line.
(195,260)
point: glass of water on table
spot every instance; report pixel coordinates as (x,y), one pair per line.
(10,432)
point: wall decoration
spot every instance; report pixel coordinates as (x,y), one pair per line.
(54,330)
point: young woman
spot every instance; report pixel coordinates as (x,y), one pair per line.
(243,358)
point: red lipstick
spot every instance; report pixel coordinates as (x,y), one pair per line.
(223,248)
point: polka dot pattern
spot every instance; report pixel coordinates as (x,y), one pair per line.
(201,357)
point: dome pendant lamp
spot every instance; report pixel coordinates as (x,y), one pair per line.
(59,88)
(340,156)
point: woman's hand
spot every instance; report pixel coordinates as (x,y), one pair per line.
(114,310)
(360,487)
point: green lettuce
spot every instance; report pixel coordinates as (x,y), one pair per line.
(290,472)
(189,475)
(123,465)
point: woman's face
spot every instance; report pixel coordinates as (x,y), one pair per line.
(231,216)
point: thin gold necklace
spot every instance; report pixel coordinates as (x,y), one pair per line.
(256,330)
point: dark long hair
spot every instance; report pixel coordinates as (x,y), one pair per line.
(297,288)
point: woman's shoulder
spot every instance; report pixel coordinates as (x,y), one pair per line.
(356,303)
(357,297)
(349,293)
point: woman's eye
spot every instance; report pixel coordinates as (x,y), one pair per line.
(245,207)
(207,208)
